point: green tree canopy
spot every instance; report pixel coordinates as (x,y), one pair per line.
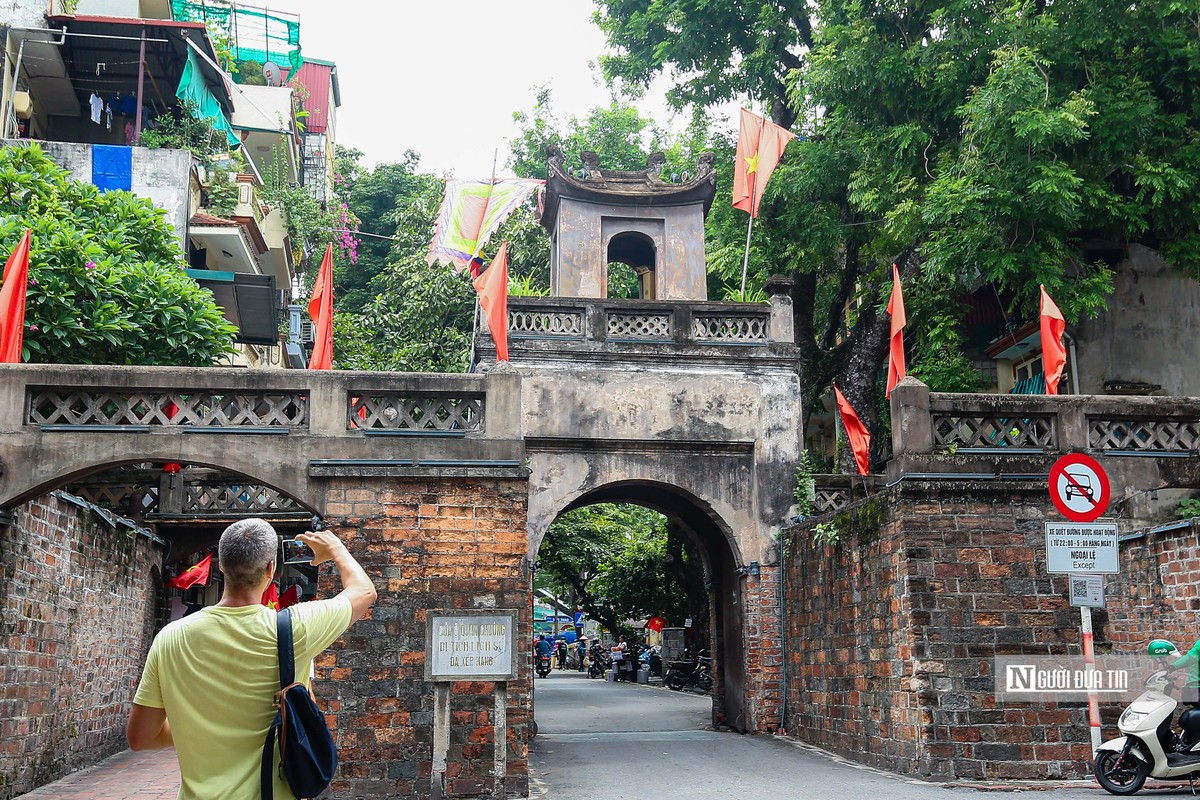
(977,145)
(106,279)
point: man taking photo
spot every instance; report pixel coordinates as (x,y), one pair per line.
(210,679)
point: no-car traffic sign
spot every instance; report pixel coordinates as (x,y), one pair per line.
(1079,487)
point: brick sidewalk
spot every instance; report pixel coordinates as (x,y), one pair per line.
(125,776)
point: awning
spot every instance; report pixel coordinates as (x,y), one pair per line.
(248,301)
(228,246)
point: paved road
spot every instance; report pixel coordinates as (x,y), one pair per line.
(604,741)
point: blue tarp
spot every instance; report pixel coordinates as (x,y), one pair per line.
(112,167)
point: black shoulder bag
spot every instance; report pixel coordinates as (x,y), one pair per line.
(307,754)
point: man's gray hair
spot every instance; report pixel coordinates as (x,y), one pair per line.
(247,547)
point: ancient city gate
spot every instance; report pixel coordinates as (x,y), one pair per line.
(443,485)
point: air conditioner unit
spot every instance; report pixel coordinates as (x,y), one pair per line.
(308,332)
(22,105)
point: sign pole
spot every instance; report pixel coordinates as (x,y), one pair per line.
(441,740)
(500,741)
(1089,659)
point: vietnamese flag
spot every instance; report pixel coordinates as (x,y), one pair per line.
(856,433)
(320,309)
(1054,355)
(896,366)
(12,302)
(290,596)
(270,597)
(193,576)
(759,148)
(492,286)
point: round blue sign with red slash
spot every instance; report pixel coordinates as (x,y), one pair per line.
(1079,487)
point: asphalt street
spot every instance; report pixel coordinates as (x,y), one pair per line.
(603,741)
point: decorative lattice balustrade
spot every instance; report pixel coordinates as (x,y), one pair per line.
(1011,437)
(955,430)
(637,322)
(731,328)
(633,325)
(567,324)
(128,500)
(830,499)
(1144,435)
(247,499)
(210,409)
(416,412)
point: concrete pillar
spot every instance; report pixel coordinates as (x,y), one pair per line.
(502,412)
(912,426)
(326,405)
(782,329)
(1072,433)
(12,398)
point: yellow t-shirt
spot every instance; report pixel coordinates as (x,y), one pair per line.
(216,673)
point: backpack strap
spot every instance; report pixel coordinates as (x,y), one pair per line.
(287,676)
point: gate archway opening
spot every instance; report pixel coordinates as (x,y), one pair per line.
(695,539)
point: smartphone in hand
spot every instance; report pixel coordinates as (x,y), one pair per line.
(296,552)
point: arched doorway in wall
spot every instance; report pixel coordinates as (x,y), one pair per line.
(85,592)
(631,260)
(696,547)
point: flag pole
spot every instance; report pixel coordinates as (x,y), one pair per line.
(762,127)
(475,255)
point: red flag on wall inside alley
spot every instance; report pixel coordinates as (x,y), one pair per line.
(270,597)
(320,309)
(896,366)
(193,576)
(492,286)
(856,433)
(12,302)
(760,146)
(1054,355)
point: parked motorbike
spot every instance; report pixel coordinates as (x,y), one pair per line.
(1149,747)
(599,662)
(543,665)
(691,671)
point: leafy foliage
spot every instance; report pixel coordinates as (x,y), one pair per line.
(106,284)
(976,144)
(624,562)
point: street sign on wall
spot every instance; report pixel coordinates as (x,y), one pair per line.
(1079,487)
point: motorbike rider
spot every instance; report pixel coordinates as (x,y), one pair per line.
(1189,720)
(542,648)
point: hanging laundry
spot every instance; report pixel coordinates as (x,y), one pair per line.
(130,136)
(97,106)
(108,118)
(129,105)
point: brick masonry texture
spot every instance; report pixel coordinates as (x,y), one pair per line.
(77,615)
(429,544)
(891,634)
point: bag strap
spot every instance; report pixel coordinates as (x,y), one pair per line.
(287,675)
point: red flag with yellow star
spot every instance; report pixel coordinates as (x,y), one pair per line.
(193,576)
(760,146)
(270,597)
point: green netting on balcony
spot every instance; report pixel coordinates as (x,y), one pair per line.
(255,34)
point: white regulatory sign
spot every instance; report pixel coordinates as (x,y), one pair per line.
(1087,590)
(1082,547)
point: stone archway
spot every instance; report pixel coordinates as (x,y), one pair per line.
(724,578)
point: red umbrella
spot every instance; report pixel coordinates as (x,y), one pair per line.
(12,302)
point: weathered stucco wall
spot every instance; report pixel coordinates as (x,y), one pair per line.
(579,265)
(1150,332)
(160,176)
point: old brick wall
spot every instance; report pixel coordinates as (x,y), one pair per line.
(1157,594)
(892,634)
(847,642)
(429,543)
(764,656)
(77,614)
